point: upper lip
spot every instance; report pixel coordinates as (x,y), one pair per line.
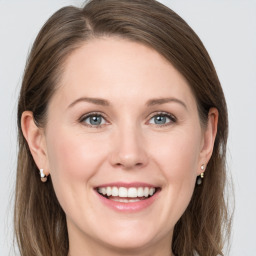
(127,185)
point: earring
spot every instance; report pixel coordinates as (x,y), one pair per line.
(43,176)
(199,179)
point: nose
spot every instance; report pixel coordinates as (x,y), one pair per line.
(129,151)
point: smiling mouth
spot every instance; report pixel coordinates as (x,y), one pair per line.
(127,195)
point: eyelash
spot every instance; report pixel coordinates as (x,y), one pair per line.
(99,114)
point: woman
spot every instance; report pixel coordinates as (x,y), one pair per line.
(122,136)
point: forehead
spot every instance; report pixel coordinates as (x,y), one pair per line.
(117,68)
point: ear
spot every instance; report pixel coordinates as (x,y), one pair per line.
(209,135)
(36,140)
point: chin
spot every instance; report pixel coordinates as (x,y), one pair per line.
(132,243)
(133,238)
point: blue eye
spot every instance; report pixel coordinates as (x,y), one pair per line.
(94,120)
(162,119)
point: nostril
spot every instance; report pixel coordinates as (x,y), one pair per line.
(128,165)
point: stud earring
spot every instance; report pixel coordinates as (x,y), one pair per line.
(199,179)
(43,176)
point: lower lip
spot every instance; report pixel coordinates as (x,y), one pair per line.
(128,207)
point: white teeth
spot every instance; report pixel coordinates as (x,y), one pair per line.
(132,192)
(115,191)
(140,192)
(125,200)
(122,192)
(104,192)
(146,191)
(109,191)
(152,191)
(133,200)
(127,192)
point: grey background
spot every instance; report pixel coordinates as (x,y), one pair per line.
(228,30)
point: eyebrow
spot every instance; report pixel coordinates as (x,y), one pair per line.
(149,103)
(161,101)
(95,101)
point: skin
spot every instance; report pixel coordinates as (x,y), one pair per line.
(129,146)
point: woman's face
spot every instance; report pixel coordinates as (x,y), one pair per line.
(123,123)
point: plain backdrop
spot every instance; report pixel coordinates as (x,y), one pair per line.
(227,29)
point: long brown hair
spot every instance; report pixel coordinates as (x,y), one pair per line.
(40,223)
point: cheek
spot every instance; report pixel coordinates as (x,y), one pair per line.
(177,159)
(72,156)
(73,161)
(178,154)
